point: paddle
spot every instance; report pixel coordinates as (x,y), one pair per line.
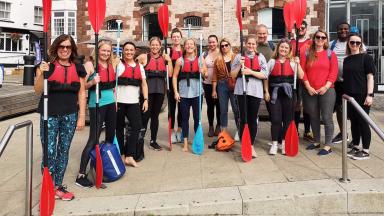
(96,11)
(163,19)
(288,16)
(198,140)
(47,194)
(246,145)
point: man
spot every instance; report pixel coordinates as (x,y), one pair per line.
(264,46)
(304,44)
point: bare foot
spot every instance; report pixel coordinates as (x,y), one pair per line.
(131,162)
(185,149)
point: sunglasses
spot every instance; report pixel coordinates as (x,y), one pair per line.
(320,37)
(224,45)
(357,43)
(65,47)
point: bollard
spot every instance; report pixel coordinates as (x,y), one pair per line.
(29,70)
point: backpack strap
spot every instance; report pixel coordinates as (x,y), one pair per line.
(333,45)
(329,54)
(205,54)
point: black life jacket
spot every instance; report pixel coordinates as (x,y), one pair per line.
(190,70)
(155,67)
(107,78)
(63,78)
(130,76)
(282,72)
(175,55)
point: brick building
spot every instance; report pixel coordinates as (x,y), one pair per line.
(206,17)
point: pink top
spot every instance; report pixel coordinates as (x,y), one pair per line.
(209,62)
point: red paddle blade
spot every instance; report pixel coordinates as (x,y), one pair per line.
(246,145)
(47,5)
(169,134)
(99,168)
(163,19)
(291,140)
(96,12)
(288,16)
(239,14)
(47,194)
(301,10)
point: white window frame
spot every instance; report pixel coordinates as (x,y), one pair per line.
(38,15)
(65,19)
(19,43)
(5,11)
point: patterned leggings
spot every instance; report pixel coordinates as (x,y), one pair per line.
(61,129)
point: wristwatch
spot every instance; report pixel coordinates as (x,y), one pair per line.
(370,94)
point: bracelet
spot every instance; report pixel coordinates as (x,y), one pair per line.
(145,99)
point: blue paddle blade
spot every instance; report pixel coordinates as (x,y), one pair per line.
(116,143)
(198,141)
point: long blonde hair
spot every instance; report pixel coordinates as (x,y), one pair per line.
(312,57)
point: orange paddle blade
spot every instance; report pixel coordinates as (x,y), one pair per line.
(169,134)
(246,145)
(47,194)
(99,168)
(291,140)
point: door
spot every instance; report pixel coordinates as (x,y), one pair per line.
(151,27)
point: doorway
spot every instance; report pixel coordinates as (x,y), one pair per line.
(151,27)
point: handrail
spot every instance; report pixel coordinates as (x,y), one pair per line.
(29,155)
(379,132)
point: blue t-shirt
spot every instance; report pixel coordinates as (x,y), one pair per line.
(107,96)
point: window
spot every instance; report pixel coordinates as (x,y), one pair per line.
(64,22)
(193,20)
(38,15)
(5,10)
(10,44)
(112,25)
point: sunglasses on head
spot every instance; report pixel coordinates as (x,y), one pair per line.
(320,37)
(224,45)
(357,43)
(65,47)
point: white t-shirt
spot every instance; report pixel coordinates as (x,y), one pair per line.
(128,94)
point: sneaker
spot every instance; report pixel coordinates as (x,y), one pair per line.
(324,152)
(309,137)
(361,155)
(173,137)
(83,182)
(337,139)
(217,130)
(351,145)
(273,149)
(63,194)
(237,139)
(352,152)
(153,145)
(313,146)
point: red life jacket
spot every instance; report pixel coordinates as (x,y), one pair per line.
(190,70)
(175,55)
(107,77)
(253,64)
(63,78)
(282,72)
(130,76)
(155,67)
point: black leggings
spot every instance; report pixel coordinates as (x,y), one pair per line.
(133,113)
(107,114)
(211,104)
(359,127)
(172,107)
(155,102)
(281,116)
(253,104)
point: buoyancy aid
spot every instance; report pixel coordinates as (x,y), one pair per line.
(130,76)
(282,72)
(251,63)
(174,54)
(107,78)
(190,70)
(155,67)
(63,78)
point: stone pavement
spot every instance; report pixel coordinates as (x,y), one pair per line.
(178,183)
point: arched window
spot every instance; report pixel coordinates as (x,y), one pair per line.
(195,21)
(112,25)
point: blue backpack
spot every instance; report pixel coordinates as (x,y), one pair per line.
(113,166)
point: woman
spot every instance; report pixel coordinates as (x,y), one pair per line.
(131,76)
(220,87)
(155,65)
(320,72)
(212,103)
(187,91)
(105,77)
(255,71)
(281,69)
(66,106)
(358,71)
(175,53)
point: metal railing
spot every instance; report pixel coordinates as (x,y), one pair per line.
(28,171)
(364,115)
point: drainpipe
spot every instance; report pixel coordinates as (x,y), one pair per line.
(222,19)
(327,16)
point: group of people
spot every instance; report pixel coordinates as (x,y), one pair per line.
(135,87)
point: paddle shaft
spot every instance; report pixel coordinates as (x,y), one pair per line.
(45,97)
(97,87)
(243,79)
